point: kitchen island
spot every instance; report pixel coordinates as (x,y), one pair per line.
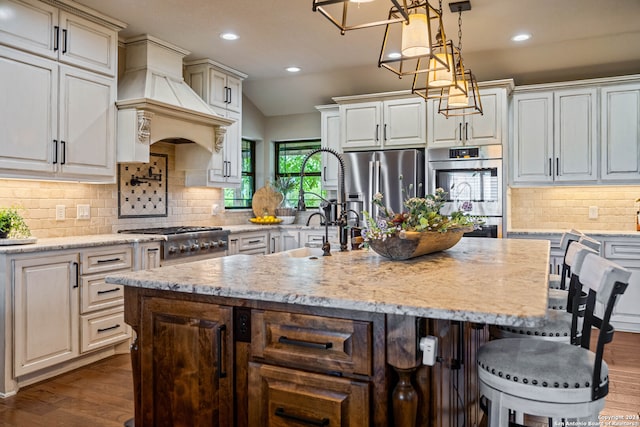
(325,341)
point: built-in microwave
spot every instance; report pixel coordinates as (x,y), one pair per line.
(472,179)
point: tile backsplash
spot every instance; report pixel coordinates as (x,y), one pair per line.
(38,200)
(568,207)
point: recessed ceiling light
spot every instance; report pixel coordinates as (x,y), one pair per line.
(293,69)
(521,37)
(229,36)
(394,55)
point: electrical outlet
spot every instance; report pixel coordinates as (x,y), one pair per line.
(215,209)
(593,212)
(83,211)
(429,347)
(60,214)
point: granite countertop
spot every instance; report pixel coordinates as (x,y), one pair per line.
(604,233)
(498,281)
(73,242)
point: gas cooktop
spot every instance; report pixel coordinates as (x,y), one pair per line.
(165,231)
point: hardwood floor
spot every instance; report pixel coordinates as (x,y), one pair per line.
(101,394)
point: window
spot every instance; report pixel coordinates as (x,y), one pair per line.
(289,156)
(240,198)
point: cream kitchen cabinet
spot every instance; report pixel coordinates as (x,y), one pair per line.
(58,118)
(626,252)
(249,243)
(221,88)
(62,32)
(330,138)
(490,127)
(390,123)
(45,305)
(283,240)
(148,256)
(620,136)
(555,136)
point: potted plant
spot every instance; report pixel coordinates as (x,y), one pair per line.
(12,224)
(285,185)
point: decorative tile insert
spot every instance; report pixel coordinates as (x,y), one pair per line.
(142,188)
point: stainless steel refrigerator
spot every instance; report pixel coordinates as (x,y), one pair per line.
(370,172)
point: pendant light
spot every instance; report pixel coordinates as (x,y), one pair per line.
(347,22)
(462,99)
(407,43)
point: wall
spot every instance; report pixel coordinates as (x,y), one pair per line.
(561,208)
(187,206)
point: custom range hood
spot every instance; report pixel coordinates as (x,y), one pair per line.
(155,104)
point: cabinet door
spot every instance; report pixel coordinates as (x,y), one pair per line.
(575,135)
(234,97)
(149,256)
(87,124)
(281,397)
(187,344)
(31,27)
(532,137)
(233,150)
(404,123)
(443,131)
(85,44)
(28,113)
(485,128)
(283,240)
(218,92)
(330,137)
(626,252)
(46,321)
(360,124)
(620,137)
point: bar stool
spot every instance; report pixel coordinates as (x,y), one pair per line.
(558,294)
(557,325)
(554,379)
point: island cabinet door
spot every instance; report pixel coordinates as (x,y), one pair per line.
(282,397)
(186,372)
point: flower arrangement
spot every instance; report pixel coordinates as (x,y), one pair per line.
(422,215)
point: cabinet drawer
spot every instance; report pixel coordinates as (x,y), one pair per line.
(286,397)
(109,259)
(250,242)
(315,342)
(618,250)
(95,294)
(102,328)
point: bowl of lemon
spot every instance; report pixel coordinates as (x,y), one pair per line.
(266,219)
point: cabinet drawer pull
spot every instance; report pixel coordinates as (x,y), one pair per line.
(377,132)
(56,35)
(64,41)
(102,261)
(76,266)
(116,326)
(557,166)
(63,147)
(108,291)
(550,167)
(304,420)
(251,242)
(55,151)
(307,344)
(221,331)
(153,249)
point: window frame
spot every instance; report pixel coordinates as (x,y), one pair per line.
(250,173)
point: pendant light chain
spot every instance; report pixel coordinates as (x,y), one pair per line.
(460,30)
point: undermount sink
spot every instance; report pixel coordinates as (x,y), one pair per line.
(304,252)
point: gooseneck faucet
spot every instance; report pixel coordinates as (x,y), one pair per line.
(342,217)
(326,246)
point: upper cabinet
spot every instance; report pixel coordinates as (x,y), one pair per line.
(60,34)
(330,138)
(554,135)
(490,127)
(221,88)
(57,71)
(582,132)
(369,123)
(620,132)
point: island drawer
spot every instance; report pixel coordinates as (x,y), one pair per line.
(316,342)
(103,328)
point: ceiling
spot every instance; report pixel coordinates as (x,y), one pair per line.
(571,39)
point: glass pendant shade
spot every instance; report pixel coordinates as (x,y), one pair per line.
(415,36)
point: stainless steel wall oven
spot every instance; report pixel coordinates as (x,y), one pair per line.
(472,178)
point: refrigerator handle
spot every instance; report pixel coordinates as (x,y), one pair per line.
(376,181)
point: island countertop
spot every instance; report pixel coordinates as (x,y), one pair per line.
(495,281)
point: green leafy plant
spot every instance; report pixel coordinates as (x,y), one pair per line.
(12,224)
(422,214)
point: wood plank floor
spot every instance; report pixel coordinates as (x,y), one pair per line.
(101,395)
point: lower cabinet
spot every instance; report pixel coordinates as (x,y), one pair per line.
(626,252)
(45,302)
(186,370)
(287,397)
(249,243)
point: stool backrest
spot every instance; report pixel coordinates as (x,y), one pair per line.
(601,281)
(592,243)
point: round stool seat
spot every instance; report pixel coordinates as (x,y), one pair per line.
(554,281)
(555,327)
(520,367)
(558,299)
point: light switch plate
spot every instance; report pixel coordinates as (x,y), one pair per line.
(83,211)
(60,215)
(593,212)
